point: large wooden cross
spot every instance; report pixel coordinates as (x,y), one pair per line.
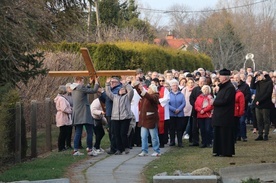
(91,71)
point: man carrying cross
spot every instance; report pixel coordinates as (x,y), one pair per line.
(81,113)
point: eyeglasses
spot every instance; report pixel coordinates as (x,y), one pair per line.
(161,80)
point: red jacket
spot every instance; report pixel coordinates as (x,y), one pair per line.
(206,107)
(239,104)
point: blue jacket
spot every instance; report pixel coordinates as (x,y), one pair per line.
(177,101)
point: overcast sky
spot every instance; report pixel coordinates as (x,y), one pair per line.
(194,5)
(165,4)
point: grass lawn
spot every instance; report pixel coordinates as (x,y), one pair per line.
(55,165)
(188,159)
(50,165)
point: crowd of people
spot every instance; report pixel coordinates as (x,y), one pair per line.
(210,109)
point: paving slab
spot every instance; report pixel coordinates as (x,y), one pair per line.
(124,168)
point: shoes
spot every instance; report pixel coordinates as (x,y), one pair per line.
(274,131)
(186,136)
(69,147)
(260,137)
(92,152)
(172,144)
(143,154)
(238,138)
(118,152)
(127,151)
(180,145)
(266,138)
(61,150)
(194,144)
(210,145)
(99,151)
(254,131)
(77,153)
(203,146)
(110,152)
(244,140)
(155,154)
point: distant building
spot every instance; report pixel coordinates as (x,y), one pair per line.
(179,44)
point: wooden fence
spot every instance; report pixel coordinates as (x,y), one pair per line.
(47,113)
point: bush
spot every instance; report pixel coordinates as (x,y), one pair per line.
(133,55)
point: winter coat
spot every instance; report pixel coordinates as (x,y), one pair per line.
(148,117)
(239,104)
(96,109)
(108,101)
(188,107)
(121,108)
(194,94)
(245,89)
(264,89)
(177,101)
(81,105)
(224,105)
(204,102)
(64,110)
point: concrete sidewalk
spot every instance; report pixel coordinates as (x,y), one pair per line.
(113,168)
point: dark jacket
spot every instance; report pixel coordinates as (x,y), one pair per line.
(195,93)
(148,117)
(245,89)
(264,89)
(224,105)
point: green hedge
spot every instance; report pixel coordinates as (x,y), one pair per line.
(133,55)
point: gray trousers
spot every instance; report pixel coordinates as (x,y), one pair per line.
(263,120)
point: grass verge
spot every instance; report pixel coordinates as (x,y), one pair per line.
(188,159)
(51,165)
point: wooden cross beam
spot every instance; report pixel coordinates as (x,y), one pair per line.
(91,71)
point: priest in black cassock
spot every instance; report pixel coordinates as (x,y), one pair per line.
(223,116)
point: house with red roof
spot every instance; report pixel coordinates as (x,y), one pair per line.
(179,44)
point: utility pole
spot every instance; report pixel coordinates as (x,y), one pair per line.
(88,21)
(98,20)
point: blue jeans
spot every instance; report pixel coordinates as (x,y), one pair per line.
(242,131)
(78,134)
(154,139)
(206,130)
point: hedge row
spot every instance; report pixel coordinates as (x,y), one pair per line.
(133,55)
